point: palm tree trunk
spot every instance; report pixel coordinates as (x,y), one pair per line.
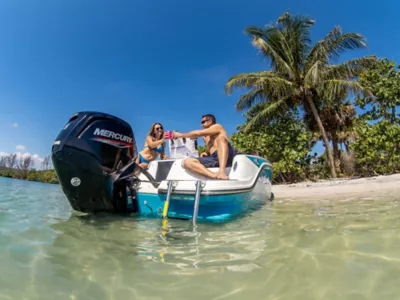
(323,133)
(336,154)
(394,114)
(347,145)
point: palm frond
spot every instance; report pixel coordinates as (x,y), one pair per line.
(251,98)
(271,83)
(266,113)
(245,80)
(349,69)
(269,42)
(330,89)
(313,75)
(296,30)
(318,52)
(345,42)
(333,45)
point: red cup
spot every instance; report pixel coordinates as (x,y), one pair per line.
(169,135)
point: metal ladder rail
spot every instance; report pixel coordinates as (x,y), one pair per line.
(171,184)
(196,202)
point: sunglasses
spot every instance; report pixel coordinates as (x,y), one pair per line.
(158,128)
(203,121)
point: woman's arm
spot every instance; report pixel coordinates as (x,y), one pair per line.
(153,144)
(163,156)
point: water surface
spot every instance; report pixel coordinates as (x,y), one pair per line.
(285,250)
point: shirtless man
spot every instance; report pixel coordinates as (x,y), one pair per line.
(220,152)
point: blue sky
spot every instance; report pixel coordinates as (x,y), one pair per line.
(147,61)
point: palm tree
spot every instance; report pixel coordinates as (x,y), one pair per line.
(299,73)
(338,119)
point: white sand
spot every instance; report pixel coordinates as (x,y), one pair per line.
(340,188)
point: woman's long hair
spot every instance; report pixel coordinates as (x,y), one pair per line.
(152,131)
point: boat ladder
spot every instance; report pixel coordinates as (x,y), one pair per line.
(199,186)
(171,185)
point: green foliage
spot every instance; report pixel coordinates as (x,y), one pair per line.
(301,73)
(46,176)
(377,148)
(384,83)
(201,149)
(285,142)
(49,176)
(299,70)
(6,172)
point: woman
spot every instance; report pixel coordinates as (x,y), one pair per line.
(154,145)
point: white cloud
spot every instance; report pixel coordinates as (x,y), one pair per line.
(14,125)
(23,155)
(37,159)
(20,147)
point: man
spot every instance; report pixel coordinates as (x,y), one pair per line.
(220,152)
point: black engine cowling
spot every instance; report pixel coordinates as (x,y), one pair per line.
(93,156)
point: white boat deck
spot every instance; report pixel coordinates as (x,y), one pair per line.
(243,176)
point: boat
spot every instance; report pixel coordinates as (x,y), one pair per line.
(94,159)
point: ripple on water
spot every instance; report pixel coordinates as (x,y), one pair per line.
(286,250)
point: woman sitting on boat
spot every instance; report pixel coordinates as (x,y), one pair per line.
(153,146)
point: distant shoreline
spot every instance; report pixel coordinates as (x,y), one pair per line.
(329,189)
(339,188)
(44,176)
(14,178)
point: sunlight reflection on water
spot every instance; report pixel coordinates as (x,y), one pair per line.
(285,250)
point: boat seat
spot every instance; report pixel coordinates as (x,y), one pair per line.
(163,168)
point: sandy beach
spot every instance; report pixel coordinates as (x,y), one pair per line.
(340,189)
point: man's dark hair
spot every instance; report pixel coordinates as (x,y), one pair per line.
(210,117)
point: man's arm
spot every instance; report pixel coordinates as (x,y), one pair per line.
(214,129)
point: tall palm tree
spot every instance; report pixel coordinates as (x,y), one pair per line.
(299,73)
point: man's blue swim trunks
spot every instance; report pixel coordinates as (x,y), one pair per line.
(211,161)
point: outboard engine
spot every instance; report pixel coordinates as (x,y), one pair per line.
(94,159)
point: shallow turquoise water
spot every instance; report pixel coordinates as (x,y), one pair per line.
(286,250)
